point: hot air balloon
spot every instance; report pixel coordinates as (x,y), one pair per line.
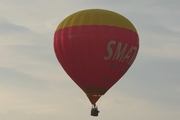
(96,47)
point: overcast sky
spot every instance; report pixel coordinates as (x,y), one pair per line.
(33,86)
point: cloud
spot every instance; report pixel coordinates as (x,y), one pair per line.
(25,95)
(10,28)
(22,48)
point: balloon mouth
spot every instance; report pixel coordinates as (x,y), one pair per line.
(94,93)
(93,98)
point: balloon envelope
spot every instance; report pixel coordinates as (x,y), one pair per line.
(96,47)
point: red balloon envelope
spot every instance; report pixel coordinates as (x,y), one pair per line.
(96,47)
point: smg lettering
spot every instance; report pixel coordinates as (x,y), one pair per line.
(122,52)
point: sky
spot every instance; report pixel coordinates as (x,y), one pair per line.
(33,85)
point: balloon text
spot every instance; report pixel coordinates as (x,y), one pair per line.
(122,53)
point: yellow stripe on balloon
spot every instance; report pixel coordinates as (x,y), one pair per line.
(96,17)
